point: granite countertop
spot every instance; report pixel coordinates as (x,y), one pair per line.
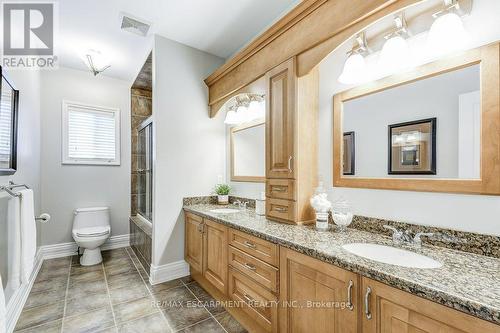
(466,282)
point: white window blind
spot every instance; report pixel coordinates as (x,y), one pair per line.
(91,134)
(5,122)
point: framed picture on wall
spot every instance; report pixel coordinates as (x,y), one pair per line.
(349,154)
(412,148)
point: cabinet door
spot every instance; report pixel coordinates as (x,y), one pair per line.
(315,296)
(193,250)
(390,310)
(215,255)
(280,109)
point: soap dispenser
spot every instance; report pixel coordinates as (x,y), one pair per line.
(260,204)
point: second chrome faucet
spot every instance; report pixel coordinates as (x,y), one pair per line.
(405,237)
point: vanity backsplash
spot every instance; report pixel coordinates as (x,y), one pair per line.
(486,245)
(212,200)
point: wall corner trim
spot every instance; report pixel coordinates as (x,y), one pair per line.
(168,272)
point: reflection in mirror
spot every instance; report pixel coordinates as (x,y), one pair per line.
(8,127)
(248,152)
(428,128)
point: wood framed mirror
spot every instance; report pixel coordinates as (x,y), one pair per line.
(460,94)
(248,152)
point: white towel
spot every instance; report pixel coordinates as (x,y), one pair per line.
(14,241)
(3,311)
(28,234)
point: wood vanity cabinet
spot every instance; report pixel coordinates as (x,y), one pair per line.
(291,137)
(193,241)
(315,296)
(390,310)
(215,254)
(206,249)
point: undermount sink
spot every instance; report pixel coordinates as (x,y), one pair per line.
(391,255)
(224,210)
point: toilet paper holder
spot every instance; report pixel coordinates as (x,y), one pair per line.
(44,218)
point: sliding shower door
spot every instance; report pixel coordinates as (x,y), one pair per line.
(145,171)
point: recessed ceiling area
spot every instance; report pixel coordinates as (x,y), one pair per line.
(219,27)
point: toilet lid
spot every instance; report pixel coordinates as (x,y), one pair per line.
(92,231)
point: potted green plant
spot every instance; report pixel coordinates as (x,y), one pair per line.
(222,191)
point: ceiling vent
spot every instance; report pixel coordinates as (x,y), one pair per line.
(134,25)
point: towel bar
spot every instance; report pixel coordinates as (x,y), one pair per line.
(9,188)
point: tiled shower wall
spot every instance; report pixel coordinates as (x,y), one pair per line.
(141,109)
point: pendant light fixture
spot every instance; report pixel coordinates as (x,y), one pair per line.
(447,33)
(395,55)
(355,69)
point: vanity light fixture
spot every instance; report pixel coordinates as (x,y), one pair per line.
(244,108)
(355,69)
(395,55)
(447,32)
(96,62)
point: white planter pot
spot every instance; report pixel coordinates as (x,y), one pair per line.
(223,199)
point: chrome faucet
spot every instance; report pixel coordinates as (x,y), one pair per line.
(241,204)
(405,237)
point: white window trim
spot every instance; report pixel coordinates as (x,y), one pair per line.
(65,158)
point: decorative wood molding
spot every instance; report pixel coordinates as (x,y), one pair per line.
(310,32)
(489,183)
(287,21)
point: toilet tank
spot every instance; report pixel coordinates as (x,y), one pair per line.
(91,217)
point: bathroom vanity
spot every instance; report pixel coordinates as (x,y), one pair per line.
(430,126)
(283,278)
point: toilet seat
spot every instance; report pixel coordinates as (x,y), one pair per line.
(92,231)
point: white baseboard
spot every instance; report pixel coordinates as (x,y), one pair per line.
(18,299)
(168,272)
(69,249)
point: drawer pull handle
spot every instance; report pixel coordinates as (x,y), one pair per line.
(250,245)
(201,227)
(278,189)
(248,298)
(290,164)
(349,295)
(280,209)
(250,266)
(367,303)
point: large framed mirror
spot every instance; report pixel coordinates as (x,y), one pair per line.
(435,128)
(9,104)
(248,152)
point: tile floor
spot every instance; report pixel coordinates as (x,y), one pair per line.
(116,296)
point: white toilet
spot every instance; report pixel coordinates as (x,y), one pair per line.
(91,229)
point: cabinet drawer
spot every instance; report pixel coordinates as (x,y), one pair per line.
(259,248)
(280,189)
(256,269)
(257,302)
(280,209)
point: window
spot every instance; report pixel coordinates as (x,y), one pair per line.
(91,134)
